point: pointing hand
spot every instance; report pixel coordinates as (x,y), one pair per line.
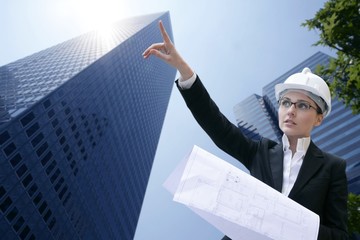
(166,51)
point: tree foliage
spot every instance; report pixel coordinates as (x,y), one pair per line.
(338,23)
(354,213)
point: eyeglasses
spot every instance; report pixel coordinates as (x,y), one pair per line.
(301,105)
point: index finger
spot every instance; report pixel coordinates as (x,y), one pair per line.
(164,33)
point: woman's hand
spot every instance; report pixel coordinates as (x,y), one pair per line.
(166,51)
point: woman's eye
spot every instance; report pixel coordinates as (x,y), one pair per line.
(286,103)
(302,105)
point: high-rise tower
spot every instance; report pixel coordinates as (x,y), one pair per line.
(338,134)
(79,127)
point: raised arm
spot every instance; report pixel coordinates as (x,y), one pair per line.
(166,51)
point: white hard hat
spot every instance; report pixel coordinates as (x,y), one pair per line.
(310,83)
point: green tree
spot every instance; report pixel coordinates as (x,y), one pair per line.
(354,213)
(338,23)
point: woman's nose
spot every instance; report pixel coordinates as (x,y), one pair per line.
(291,109)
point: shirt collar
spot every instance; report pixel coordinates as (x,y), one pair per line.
(302,143)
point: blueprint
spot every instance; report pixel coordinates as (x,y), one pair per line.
(239,205)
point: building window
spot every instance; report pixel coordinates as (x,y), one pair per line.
(12,214)
(24,232)
(42,207)
(37,199)
(9,149)
(27,119)
(5,204)
(37,139)
(2,191)
(27,180)
(47,103)
(32,190)
(66,148)
(51,113)
(47,215)
(18,224)
(58,185)
(21,171)
(15,160)
(58,131)
(50,167)
(31,130)
(4,137)
(55,122)
(62,140)
(52,223)
(67,111)
(71,119)
(63,191)
(42,149)
(46,158)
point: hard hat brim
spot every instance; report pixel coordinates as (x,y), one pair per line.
(281,87)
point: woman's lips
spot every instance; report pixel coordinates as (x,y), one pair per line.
(289,122)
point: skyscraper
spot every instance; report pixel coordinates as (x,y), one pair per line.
(79,127)
(338,134)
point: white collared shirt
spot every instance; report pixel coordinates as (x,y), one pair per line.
(292,163)
(186,83)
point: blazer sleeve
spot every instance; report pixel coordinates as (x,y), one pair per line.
(333,224)
(224,134)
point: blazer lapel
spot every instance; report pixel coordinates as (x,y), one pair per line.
(313,160)
(276,159)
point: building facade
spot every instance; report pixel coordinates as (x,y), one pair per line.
(79,128)
(339,133)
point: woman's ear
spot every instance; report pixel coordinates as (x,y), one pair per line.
(319,119)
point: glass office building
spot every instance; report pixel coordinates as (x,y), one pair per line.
(338,134)
(79,128)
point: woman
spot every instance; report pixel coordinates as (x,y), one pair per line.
(296,167)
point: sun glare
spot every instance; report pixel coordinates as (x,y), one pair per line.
(106,37)
(94,14)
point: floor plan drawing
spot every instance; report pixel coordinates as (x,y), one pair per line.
(214,186)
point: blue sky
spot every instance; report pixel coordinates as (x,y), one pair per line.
(235,46)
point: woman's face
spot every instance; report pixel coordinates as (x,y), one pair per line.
(297,121)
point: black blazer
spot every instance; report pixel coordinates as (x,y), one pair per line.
(321,185)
